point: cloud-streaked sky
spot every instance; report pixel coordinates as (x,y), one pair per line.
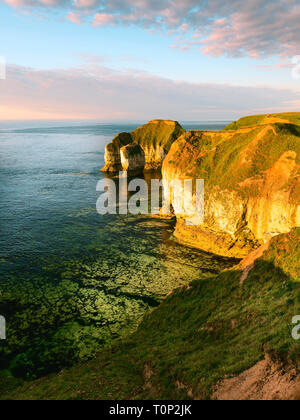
(143,59)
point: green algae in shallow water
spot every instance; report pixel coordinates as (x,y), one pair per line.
(70,310)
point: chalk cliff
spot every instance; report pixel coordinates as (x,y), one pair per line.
(132,157)
(112,152)
(252,182)
(154,138)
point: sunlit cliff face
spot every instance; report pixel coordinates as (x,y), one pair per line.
(252,184)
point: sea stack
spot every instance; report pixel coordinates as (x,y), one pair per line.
(154,139)
(132,158)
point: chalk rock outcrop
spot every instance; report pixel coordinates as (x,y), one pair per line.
(112,152)
(155,139)
(252,184)
(132,158)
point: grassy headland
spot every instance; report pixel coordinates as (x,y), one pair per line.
(215,328)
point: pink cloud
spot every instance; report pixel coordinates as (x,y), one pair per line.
(85,4)
(74,17)
(50,3)
(170,17)
(234,28)
(180,47)
(102,19)
(184,27)
(97,92)
(19,3)
(35,3)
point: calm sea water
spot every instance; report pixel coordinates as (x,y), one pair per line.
(71,280)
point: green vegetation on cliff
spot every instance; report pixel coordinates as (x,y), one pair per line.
(227,159)
(290,117)
(154,133)
(252,182)
(157,133)
(120,140)
(155,138)
(216,328)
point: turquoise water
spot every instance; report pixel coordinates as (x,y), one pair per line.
(72,280)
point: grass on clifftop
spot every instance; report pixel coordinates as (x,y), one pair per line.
(227,159)
(292,117)
(196,337)
(154,133)
(158,133)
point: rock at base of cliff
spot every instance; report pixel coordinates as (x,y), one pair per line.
(214,242)
(166,213)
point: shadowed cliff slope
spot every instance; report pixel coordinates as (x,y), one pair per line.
(201,335)
(252,183)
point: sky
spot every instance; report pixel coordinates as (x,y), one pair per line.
(115,60)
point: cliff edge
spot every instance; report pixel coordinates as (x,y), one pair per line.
(252,182)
